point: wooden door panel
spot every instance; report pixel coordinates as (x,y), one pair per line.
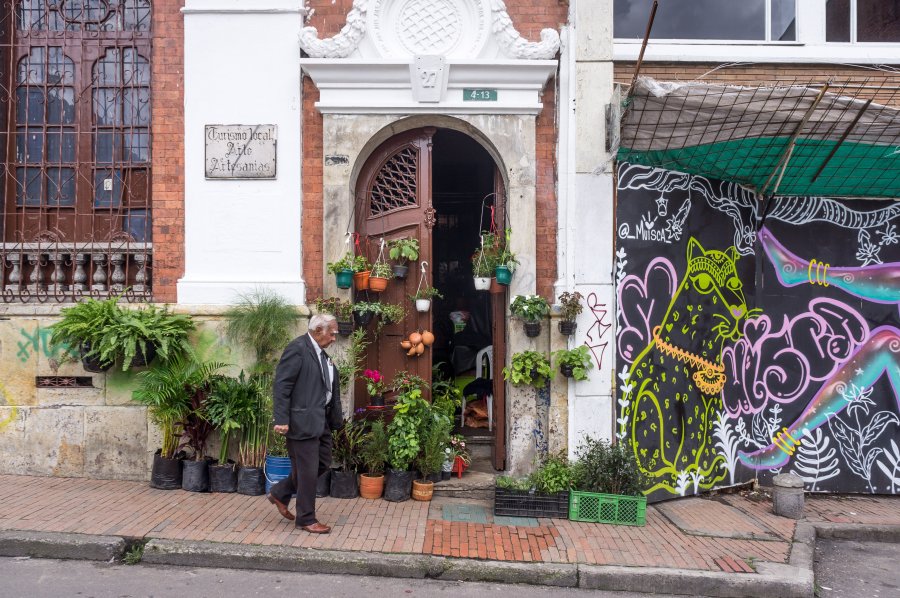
(394,201)
(499,301)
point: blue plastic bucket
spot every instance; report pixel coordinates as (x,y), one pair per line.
(277,469)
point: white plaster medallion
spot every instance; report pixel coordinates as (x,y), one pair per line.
(429,26)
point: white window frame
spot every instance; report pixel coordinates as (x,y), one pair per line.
(810,45)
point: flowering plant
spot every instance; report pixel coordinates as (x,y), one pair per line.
(375,383)
(531,308)
(458,449)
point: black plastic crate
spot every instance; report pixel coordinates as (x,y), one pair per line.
(522,503)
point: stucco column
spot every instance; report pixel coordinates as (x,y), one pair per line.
(242,66)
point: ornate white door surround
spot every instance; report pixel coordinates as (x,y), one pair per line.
(404,56)
(403,64)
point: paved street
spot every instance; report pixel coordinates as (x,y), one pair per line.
(48,578)
(852,569)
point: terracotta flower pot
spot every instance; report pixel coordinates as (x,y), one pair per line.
(422,490)
(361,280)
(371,486)
(377,284)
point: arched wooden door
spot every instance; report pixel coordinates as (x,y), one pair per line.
(393,200)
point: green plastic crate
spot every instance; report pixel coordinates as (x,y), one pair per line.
(607,508)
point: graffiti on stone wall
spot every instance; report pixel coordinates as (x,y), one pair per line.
(37,342)
(595,339)
(732,368)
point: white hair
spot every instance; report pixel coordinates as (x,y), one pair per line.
(320,322)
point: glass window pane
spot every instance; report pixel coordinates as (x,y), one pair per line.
(31,69)
(28,186)
(136,106)
(61,187)
(837,21)
(135,224)
(60,70)
(107,106)
(107,188)
(107,147)
(29,106)
(60,145)
(135,68)
(692,19)
(137,15)
(29,146)
(60,105)
(784,20)
(106,71)
(137,146)
(878,21)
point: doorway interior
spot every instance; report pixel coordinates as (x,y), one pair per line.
(464,179)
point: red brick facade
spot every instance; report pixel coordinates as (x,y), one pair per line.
(168,148)
(529,17)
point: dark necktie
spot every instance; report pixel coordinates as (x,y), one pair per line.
(324,359)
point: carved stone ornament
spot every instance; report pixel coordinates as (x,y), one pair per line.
(444,27)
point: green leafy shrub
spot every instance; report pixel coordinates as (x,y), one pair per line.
(570,304)
(232,406)
(554,475)
(531,308)
(579,359)
(404,431)
(528,367)
(607,469)
(264,322)
(374,449)
(346,445)
(382,270)
(404,250)
(81,326)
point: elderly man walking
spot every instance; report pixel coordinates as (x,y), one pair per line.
(307,407)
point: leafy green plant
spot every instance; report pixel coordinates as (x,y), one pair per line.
(173,392)
(345,263)
(382,270)
(255,430)
(510,483)
(339,308)
(579,359)
(136,331)
(446,398)
(361,263)
(426,293)
(570,304)
(531,308)
(481,267)
(387,313)
(231,407)
(607,469)
(264,322)
(554,475)
(81,326)
(134,554)
(404,431)
(508,258)
(346,444)
(435,435)
(350,362)
(276,444)
(404,250)
(528,367)
(374,449)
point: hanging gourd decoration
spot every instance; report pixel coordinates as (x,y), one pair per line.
(415,338)
(415,343)
(427,338)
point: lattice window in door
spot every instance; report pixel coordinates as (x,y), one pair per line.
(395,184)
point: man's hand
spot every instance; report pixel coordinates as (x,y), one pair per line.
(280,429)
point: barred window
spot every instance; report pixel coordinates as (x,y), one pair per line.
(77,116)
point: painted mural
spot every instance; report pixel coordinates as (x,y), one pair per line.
(755,340)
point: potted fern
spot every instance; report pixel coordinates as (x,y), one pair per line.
(570,306)
(138,336)
(82,326)
(263,322)
(403,251)
(528,368)
(574,363)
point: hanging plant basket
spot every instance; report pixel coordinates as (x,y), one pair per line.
(344,279)
(92,364)
(566,370)
(362,319)
(482,283)
(142,358)
(567,327)
(503,274)
(361,280)
(400,270)
(377,284)
(532,329)
(423,305)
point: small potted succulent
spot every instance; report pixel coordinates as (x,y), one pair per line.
(343,270)
(570,306)
(532,309)
(423,298)
(379,277)
(528,367)
(574,363)
(403,251)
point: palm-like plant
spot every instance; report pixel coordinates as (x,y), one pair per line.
(231,407)
(255,429)
(173,392)
(263,321)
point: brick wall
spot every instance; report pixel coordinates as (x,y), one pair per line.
(167,133)
(797,74)
(529,17)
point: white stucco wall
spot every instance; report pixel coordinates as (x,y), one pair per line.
(242,66)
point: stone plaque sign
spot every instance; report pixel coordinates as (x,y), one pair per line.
(240,151)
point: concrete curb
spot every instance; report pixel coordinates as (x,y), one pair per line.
(416,566)
(56,545)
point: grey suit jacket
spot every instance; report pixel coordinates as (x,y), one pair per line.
(299,392)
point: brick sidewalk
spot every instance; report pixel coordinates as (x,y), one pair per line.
(729,533)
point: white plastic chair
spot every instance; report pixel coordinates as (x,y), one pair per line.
(479,373)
